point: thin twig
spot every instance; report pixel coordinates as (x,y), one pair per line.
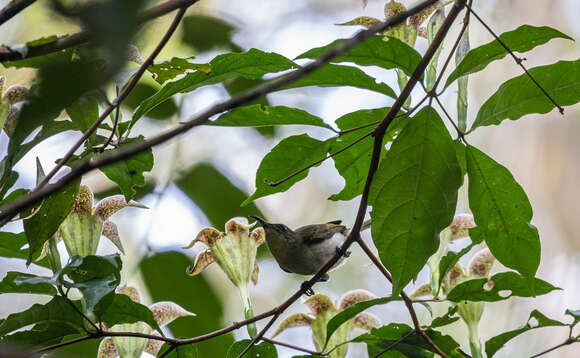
(516,59)
(460,134)
(129,151)
(66,343)
(291,346)
(565,343)
(13,8)
(396,343)
(7,54)
(330,155)
(115,123)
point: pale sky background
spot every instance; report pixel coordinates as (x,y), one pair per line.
(540,150)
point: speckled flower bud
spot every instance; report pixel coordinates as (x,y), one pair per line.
(11,120)
(481,263)
(424,290)
(355,296)
(83,201)
(366,321)
(108,206)
(420,17)
(134,55)
(129,291)
(15,93)
(365,21)
(460,226)
(2,82)
(393,8)
(319,303)
(166,311)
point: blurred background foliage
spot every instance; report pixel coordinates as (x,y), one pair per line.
(200,178)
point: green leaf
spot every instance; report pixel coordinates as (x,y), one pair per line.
(377,51)
(83,113)
(414,194)
(205,33)
(496,343)
(520,96)
(502,214)
(41,335)
(201,184)
(118,308)
(522,39)
(348,313)
(261,116)
(40,61)
(449,260)
(18,282)
(11,246)
(338,75)
(144,90)
(353,164)
(239,85)
(575,314)
(165,278)
(55,311)
(129,173)
(94,276)
(262,350)
(291,154)
(40,227)
(446,319)
(504,285)
(168,70)
(252,64)
(462,89)
(185,351)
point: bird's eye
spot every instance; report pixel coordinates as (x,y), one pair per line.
(283,228)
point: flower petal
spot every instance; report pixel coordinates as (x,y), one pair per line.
(366,321)
(202,260)
(166,311)
(460,226)
(110,232)
(355,296)
(238,226)
(153,345)
(295,320)
(424,290)
(259,236)
(481,263)
(110,205)
(107,348)
(129,291)
(83,201)
(255,273)
(319,303)
(208,236)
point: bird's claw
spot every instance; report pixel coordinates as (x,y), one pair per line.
(342,252)
(308,291)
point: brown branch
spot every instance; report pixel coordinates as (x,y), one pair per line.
(517,60)
(6,54)
(565,343)
(330,155)
(291,346)
(13,8)
(129,151)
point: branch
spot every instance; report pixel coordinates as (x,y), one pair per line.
(13,8)
(246,97)
(291,346)
(6,54)
(565,343)
(517,59)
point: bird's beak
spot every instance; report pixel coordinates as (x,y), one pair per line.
(259,219)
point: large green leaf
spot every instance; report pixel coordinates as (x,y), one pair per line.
(338,75)
(43,225)
(522,39)
(204,33)
(129,173)
(501,286)
(379,51)
(55,311)
(344,315)
(184,351)
(168,70)
(496,343)
(144,90)
(118,308)
(290,155)
(502,214)
(11,246)
(353,163)
(262,350)
(166,280)
(252,64)
(413,195)
(42,334)
(203,182)
(18,282)
(83,112)
(94,276)
(520,96)
(261,116)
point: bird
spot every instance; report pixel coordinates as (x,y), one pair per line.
(306,250)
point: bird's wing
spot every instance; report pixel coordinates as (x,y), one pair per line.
(314,234)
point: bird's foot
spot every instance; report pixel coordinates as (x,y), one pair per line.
(342,252)
(308,291)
